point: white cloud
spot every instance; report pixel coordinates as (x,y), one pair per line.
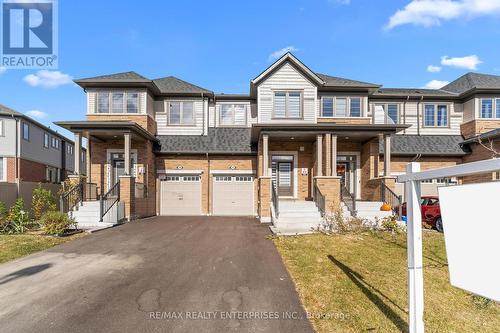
(342,2)
(36,114)
(429,13)
(48,79)
(276,54)
(435,84)
(434,69)
(3,70)
(468,62)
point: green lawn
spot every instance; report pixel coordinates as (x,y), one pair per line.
(360,280)
(15,246)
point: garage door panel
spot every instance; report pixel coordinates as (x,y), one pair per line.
(233,195)
(180,198)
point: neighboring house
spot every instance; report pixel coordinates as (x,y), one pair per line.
(30,151)
(315,136)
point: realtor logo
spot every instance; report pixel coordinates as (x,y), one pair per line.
(29,34)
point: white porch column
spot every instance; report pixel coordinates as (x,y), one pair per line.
(387,155)
(319,155)
(78,153)
(265,152)
(126,137)
(334,155)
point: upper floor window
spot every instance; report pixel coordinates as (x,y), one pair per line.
(287,104)
(45,140)
(233,114)
(341,107)
(55,143)
(181,113)
(117,102)
(26,131)
(490,108)
(1,128)
(387,113)
(69,149)
(435,115)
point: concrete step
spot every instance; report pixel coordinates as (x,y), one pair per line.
(299,219)
(291,231)
(305,214)
(97,225)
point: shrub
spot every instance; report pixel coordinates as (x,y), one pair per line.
(3,216)
(43,201)
(338,224)
(390,223)
(55,223)
(17,220)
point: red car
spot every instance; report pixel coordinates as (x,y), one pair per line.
(431,212)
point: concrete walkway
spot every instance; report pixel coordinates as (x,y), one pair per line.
(164,274)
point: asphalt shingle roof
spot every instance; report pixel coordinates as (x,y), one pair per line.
(125,77)
(342,82)
(471,81)
(173,85)
(412,91)
(218,140)
(8,111)
(437,145)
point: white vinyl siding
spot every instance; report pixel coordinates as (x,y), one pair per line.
(286,79)
(2,131)
(340,106)
(287,104)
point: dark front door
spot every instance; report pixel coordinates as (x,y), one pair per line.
(284,178)
(344,174)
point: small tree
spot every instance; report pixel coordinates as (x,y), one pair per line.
(43,201)
(18,218)
(3,217)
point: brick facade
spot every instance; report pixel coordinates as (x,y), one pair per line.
(145,121)
(478,126)
(32,171)
(11,169)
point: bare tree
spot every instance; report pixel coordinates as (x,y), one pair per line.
(490,146)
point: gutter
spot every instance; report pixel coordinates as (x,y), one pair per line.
(418,114)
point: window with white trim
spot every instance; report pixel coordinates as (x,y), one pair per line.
(435,115)
(390,112)
(55,143)
(117,102)
(26,131)
(46,140)
(69,149)
(172,178)
(233,114)
(287,104)
(340,106)
(490,108)
(180,113)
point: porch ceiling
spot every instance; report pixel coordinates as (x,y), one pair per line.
(107,130)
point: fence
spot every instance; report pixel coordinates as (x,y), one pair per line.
(9,192)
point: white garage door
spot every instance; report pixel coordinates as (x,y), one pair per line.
(181,195)
(233,195)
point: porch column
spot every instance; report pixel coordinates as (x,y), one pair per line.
(126,137)
(78,153)
(265,152)
(387,155)
(319,155)
(334,155)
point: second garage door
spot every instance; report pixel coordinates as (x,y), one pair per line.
(180,195)
(233,195)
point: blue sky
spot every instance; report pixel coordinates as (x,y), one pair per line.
(222,45)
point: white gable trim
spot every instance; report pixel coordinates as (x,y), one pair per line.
(289,57)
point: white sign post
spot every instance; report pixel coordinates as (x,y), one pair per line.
(471,282)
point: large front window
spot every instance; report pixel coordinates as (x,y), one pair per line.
(233,114)
(340,107)
(117,102)
(287,104)
(435,115)
(181,113)
(490,108)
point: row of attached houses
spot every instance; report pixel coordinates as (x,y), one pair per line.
(33,152)
(174,148)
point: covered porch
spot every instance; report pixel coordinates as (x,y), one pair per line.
(120,165)
(331,165)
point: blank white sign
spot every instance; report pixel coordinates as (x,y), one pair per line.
(471,222)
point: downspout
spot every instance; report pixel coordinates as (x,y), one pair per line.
(404,111)
(16,154)
(209,211)
(418,114)
(203,109)
(416,158)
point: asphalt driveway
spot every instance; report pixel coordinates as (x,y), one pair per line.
(163,274)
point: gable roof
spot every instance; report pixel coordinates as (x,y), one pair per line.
(334,81)
(288,57)
(471,81)
(6,111)
(116,77)
(173,85)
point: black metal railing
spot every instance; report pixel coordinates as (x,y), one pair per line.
(319,199)
(90,192)
(275,199)
(392,199)
(108,200)
(348,199)
(70,199)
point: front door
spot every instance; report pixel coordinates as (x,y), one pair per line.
(343,171)
(284,178)
(118,170)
